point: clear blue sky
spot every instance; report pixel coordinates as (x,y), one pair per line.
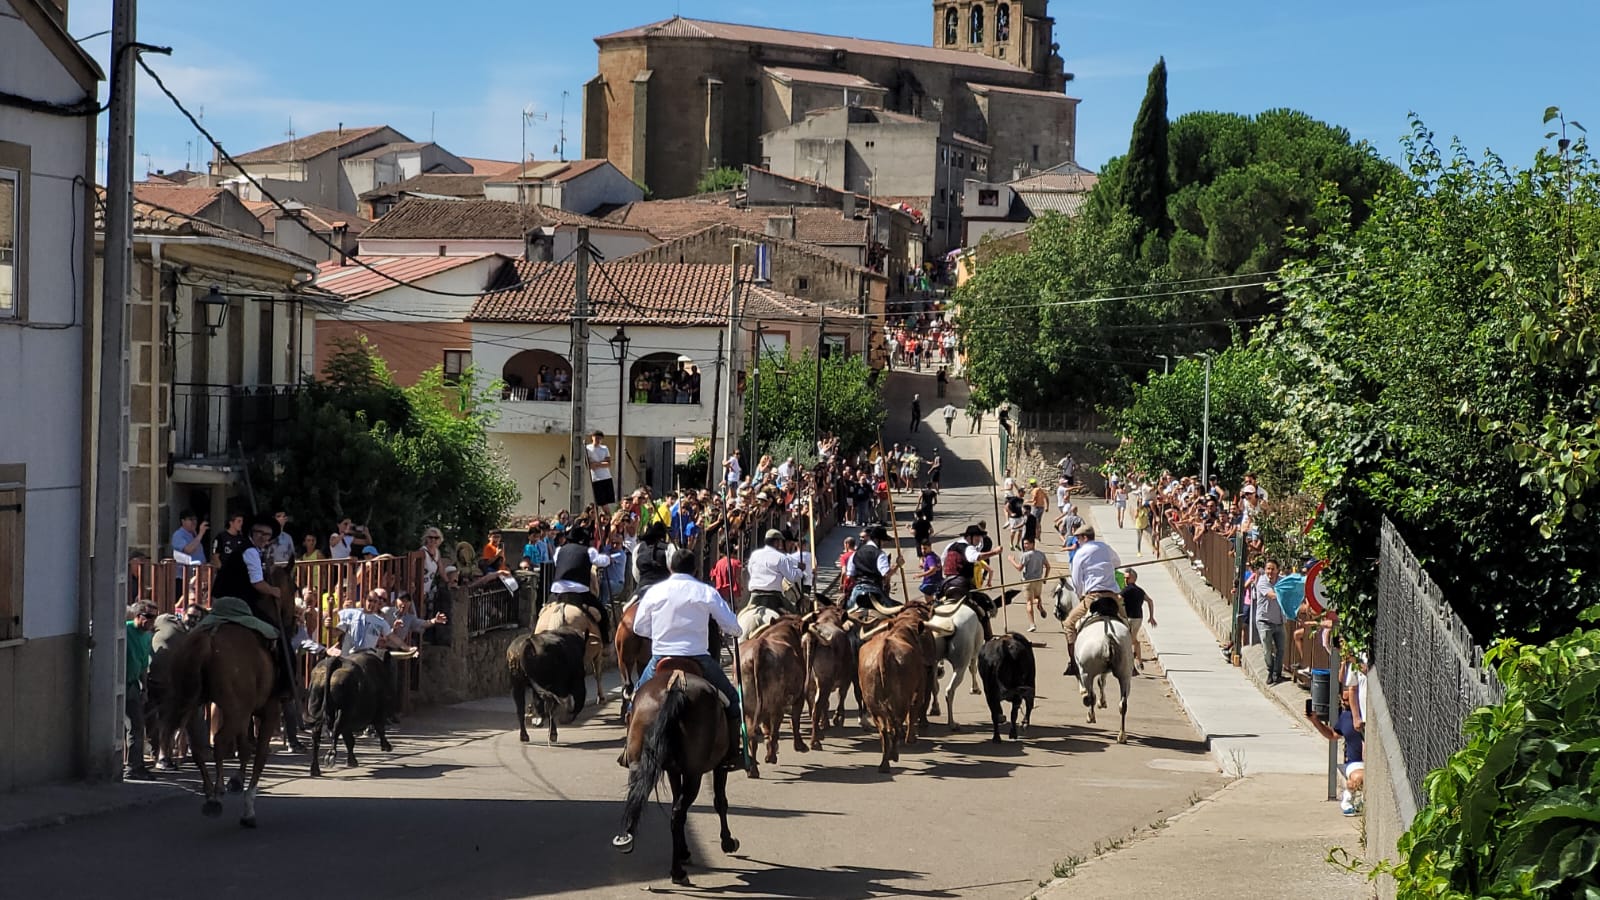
(462,73)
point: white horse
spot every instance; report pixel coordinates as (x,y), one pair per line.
(1104,648)
(1066,598)
(754,618)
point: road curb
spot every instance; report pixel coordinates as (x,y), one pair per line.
(147,794)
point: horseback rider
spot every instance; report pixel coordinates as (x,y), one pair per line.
(870,568)
(769,566)
(651,554)
(242,575)
(677,616)
(1094,578)
(961,558)
(570,582)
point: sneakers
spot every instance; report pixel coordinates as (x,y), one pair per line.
(1033,628)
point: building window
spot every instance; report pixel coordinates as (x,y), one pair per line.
(952,25)
(988,198)
(802,284)
(974,164)
(961,160)
(10,559)
(941,195)
(944,154)
(872,144)
(983,164)
(10,241)
(456,364)
(976,37)
(938,224)
(1002,23)
(1035,152)
(773,343)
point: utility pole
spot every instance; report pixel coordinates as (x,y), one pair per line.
(580,372)
(816,398)
(755,399)
(109,559)
(1205,432)
(729,440)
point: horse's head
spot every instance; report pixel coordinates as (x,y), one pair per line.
(282,578)
(1066,599)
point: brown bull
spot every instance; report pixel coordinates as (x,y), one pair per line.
(830,666)
(772,667)
(893,671)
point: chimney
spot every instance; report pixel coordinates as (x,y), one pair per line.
(340,229)
(847,205)
(781,227)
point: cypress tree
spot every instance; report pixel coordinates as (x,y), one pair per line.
(1146,181)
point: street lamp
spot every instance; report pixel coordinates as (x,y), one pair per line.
(214,308)
(619,351)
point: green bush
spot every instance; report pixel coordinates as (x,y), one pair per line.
(1516,813)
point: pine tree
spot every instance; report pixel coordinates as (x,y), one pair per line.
(1146,181)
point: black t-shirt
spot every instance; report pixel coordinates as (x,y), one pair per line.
(929,495)
(1133,598)
(1013,506)
(921,529)
(229,546)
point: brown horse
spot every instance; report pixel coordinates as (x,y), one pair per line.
(893,673)
(559,613)
(678,726)
(633,653)
(773,667)
(230,668)
(830,666)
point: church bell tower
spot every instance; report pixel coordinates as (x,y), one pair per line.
(1018,32)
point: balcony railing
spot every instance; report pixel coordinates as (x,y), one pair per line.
(214,420)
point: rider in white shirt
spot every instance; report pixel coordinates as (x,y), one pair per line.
(767,569)
(1094,579)
(676,616)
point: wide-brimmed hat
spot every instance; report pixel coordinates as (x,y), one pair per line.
(1084,530)
(972,530)
(772,534)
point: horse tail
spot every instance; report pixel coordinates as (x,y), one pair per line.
(660,741)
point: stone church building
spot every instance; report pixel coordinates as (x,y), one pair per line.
(677,98)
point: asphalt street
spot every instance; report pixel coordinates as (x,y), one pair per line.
(462,809)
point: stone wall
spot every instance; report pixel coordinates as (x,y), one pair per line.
(1388,806)
(472,667)
(1034,454)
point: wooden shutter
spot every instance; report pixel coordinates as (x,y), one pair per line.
(10,562)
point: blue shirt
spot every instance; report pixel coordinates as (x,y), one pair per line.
(1291,593)
(181,539)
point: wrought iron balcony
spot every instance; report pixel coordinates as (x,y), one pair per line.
(215,421)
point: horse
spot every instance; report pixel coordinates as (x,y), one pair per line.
(1105,648)
(678,727)
(230,667)
(755,617)
(830,666)
(959,649)
(1066,598)
(633,654)
(772,666)
(893,671)
(561,613)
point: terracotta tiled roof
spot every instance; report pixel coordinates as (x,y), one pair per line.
(187,200)
(422,218)
(673,294)
(723,230)
(482,166)
(352,280)
(832,79)
(153,218)
(1066,177)
(547,170)
(321,218)
(307,146)
(442,184)
(669,219)
(679,27)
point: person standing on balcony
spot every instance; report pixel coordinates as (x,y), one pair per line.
(339,542)
(599,459)
(189,541)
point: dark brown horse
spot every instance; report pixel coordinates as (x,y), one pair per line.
(677,727)
(633,653)
(230,668)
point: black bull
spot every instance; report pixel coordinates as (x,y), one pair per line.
(349,694)
(1006,667)
(551,665)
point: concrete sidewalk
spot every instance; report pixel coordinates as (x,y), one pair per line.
(1252,838)
(1248,733)
(58,804)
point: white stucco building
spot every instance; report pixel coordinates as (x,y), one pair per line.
(46,329)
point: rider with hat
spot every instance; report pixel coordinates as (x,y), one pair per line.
(961,557)
(769,566)
(676,615)
(1094,579)
(573,574)
(870,568)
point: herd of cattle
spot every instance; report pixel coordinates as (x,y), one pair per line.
(788,663)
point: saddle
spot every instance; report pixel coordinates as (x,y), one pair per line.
(675,667)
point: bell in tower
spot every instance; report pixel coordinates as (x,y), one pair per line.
(1020,32)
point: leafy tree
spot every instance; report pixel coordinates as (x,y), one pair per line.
(1413,359)
(1162,427)
(1146,179)
(851,407)
(720,179)
(395,458)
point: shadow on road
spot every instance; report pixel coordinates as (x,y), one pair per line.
(842,883)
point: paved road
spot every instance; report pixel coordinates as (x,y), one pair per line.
(462,809)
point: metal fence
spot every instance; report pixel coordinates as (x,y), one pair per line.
(1431,673)
(212,420)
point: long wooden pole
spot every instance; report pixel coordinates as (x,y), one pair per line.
(811,543)
(994,493)
(894,525)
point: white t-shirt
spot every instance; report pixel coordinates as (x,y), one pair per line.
(598,453)
(734,472)
(1062,495)
(339,546)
